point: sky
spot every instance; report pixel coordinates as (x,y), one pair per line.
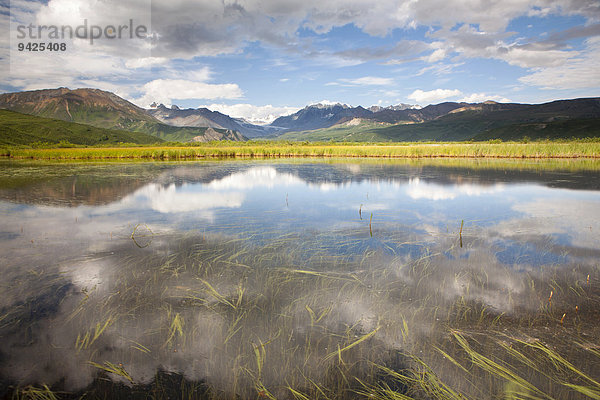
(258,59)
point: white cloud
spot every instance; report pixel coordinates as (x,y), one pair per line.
(146,62)
(104,14)
(433,96)
(470,42)
(526,58)
(101,65)
(166,90)
(368,81)
(437,55)
(193,28)
(578,73)
(37,70)
(255,114)
(204,27)
(381,17)
(481,97)
(124,91)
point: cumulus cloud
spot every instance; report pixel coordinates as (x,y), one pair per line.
(166,90)
(470,42)
(527,58)
(35,70)
(433,96)
(188,29)
(105,61)
(194,28)
(578,73)
(146,62)
(481,97)
(255,114)
(436,55)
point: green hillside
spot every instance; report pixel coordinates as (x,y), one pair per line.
(365,131)
(22,129)
(102,116)
(452,127)
(574,128)
(183,133)
(460,126)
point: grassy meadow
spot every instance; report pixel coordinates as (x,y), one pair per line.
(266,149)
(376,310)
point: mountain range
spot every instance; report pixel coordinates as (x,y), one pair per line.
(105,110)
(448,121)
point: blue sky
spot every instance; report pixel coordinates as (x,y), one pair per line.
(260,59)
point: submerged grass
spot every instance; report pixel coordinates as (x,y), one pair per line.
(548,149)
(35,393)
(111,368)
(289,318)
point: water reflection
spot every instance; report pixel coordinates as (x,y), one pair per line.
(261,277)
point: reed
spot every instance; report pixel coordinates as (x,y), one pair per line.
(534,150)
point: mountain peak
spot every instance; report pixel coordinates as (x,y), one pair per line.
(327,105)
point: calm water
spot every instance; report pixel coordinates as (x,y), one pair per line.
(307,278)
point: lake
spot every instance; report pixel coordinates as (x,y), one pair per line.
(300,279)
